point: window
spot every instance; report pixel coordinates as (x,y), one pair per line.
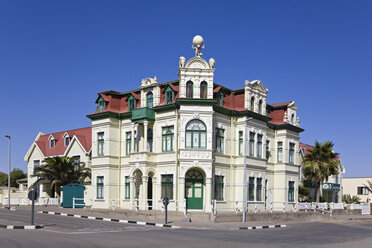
(252,103)
(251,189)
(101,105)
(362,191)
(292,119)
(260,107)
(149,100)
(196,135)
(267,149)
(203,90)
(291,153)
(220,99)
(280,152)
(100,187)
(76,159)
(127,187)
(241,143)
(131,103)
(167,139)
(135,142)
(219,140)
(218,188)
(169,95)
(36,163)
(290,191)
(128,143)
(100,144)
(52,143)
(189,89)
(149,140)
(267,111)
(67,140)
(259,189)
(251,144)
(259,145)
(167,186)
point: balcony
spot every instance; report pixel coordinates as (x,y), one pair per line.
(331,186)
(143,114)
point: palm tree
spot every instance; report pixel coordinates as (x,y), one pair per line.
(369,186)
(320,164)
(60,171)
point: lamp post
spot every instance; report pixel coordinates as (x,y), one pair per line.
(7,136)
(245,168)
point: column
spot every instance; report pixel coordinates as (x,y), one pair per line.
(132,191)
(145,124)
(145,183)
(181,193)
(208,198)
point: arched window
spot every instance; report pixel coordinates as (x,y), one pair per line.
(220,99)
(131,103)
(252,103)
(260,107)
(196,135)
(101,105)
(189,89)
(203,90)
(149,100)
(149,140)
(292,119)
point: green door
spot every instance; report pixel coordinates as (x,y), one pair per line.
(194,190)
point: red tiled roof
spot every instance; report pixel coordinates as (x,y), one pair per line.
(83,135)
(309,148)
(277,116)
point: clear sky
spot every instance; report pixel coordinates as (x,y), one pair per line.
(56,55)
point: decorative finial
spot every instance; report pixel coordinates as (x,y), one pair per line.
(198,45)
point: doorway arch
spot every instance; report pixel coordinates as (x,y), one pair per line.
(194,189)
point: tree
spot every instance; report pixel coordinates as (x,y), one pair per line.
(349,200)
(320,164)
(304,194)
(15,175)
(3,179)
(369,186)
(60,171)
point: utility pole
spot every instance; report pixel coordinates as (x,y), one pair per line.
(245,168)
(7,136)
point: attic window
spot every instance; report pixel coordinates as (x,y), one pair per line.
(150,100)
(260,107)
(101,105)
(292,119)
(220,99)
(203,90)
(52,143)
(252,104)
(131,103)
(169,95)
(67,141)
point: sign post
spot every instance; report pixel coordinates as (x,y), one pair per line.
(166,202)
(33,195)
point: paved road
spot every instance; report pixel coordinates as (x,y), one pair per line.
(72,232)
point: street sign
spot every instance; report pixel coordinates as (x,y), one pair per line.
(32,195)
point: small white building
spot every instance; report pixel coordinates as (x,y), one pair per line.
(356,186)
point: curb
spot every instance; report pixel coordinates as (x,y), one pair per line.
(30,227)
(109,219)
(261,227)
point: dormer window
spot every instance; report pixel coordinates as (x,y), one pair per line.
(169,95)
(220,99)
(292,119)
(189,89)
(252,103)
(260,107)
(101,105)
(131,103)
(52,143)
(67,140)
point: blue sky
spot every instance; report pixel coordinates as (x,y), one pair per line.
(56,55)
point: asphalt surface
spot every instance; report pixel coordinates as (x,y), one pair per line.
(61,231)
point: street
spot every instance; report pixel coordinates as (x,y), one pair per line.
(61,231)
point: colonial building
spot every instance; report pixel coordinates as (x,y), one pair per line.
(72,143)
(183,139)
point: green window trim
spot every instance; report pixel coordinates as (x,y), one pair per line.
(100,187)
(197,129)
(167,139)
(251,189)
(220,97)
(220,140)
(150,100)
(101,105)
(291,191)
(259,146)
(167,186)
(131,103)
(169,95)
(251,143)
(128,141)
(241,143)
(291,153)
(100,144)
(127,188)
(218,188)
(259,189)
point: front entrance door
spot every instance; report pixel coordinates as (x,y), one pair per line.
(194,190)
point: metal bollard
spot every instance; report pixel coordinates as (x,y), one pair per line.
(113,204)
(284,207)
(184,206)
(271,207)
(73,202)
(237,206)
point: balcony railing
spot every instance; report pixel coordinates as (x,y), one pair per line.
(331,186)
(143,114)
